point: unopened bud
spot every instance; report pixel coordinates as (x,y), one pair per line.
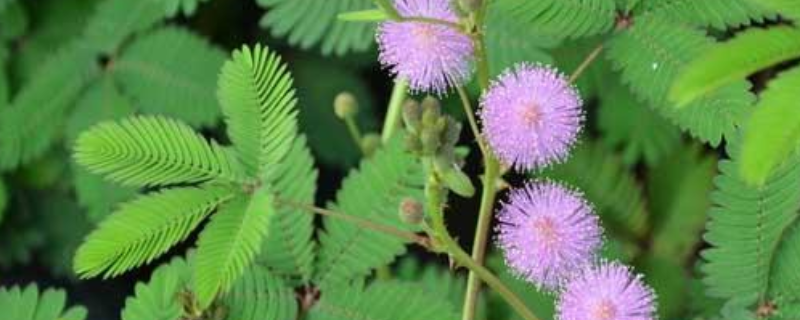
(370,143)
(455,179)
(345,105)
(412,115)
(431,111)
(411,211)
(430,140)
(452,132)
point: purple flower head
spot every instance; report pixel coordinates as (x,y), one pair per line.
(531,116)
(431,57)
(607,292)
(548,232)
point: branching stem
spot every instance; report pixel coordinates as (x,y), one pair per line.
(471,118)
(395,111)
(586,63)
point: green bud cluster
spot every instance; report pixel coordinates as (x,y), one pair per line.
(433,136)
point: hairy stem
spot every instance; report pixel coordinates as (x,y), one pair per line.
(395,111)
(471,118)
(586,63)
(490,176)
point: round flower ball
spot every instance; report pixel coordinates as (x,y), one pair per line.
(609,291)
(432,57)
(547,233)
(531,116)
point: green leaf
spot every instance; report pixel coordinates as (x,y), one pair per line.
(789,8)
(651,53)
(102,101)
(159,298)
(632,127)
(307,23)
(114,21)
(608,184)
(3,199)
(187,7)
(734,60)
(30,304)
(678,190)
(288,247)
(668,279)
(509,42)
(718,14)
(364,15)
(63,225)
(26,135)
(230,242)
(145,228)
(153,151)
(260,295)
(348,251)
(15,21)
(773,130)
(749,228)
(172,72)
(259,104)
(380,301)
(539,301)
(560,18)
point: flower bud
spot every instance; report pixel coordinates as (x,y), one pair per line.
(431,111)
(411,211)
(370,143)
(412,115)
(455,179)
(345,105)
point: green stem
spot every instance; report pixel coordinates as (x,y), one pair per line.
(395,111)
(484,274)
(471,119)
(586,63)
(387,7)
(355,133)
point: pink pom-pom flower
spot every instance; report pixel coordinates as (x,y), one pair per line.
(531,116)
(548,232)
(432,57)
(609,291)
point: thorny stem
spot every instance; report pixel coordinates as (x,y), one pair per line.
(393,114)
(366,223)
(471,118)
(586,63)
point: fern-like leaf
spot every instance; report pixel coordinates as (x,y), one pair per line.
(789,8)
(348,251)
(749,228)
(230,242)
(114,21)
(30,304)
(260,295)
(561,18)
(638,131)
(734,60)
(159,298)
(258,101)
(652,52)
(380,301)
(187,7)
(306,23)
(153,151)
(288,247)
(172,72)
(774,128)
(144,228)
(718,14)
(608,185)
(26,134)
(511,42)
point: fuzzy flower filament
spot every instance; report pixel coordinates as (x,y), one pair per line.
(609,291)
(531,116)
(432,57)
(548,232)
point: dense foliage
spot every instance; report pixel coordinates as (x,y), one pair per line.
(209,159)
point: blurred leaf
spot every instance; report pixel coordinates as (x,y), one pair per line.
(327,134)
(15,21)
(509,43)
(64,226)
(679,190)
(633,127)
(187,7)
(173,72)
(31,304)
(3,200)
(438,281)
(160,297)
(114,21)
(771,135)
(380,301)
(669,280)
